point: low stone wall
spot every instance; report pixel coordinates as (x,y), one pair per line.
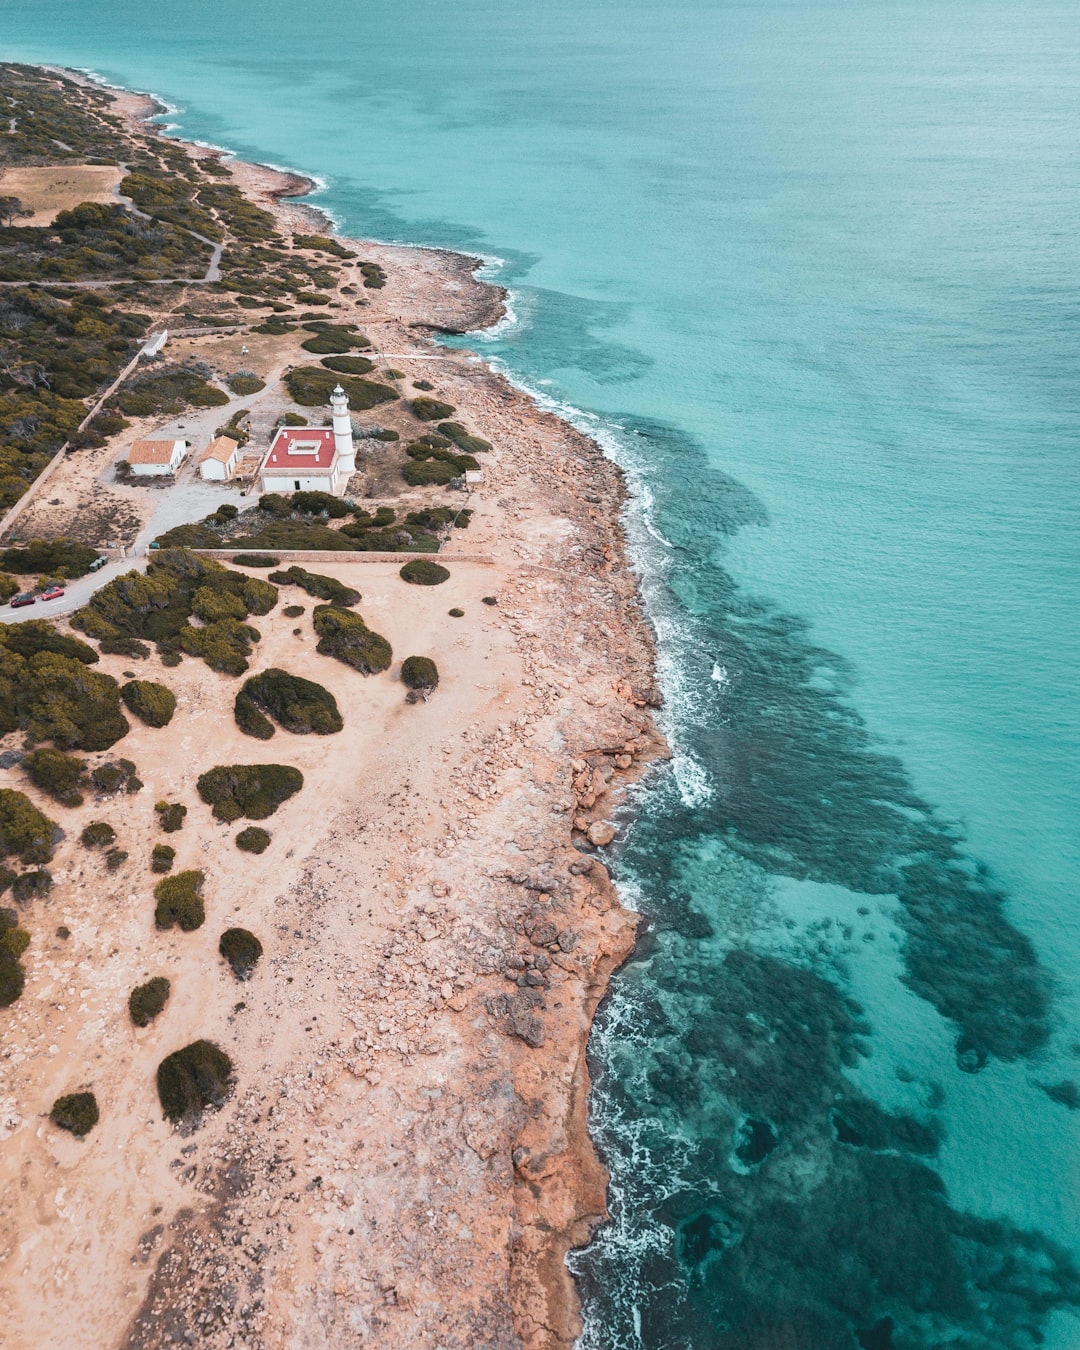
(226,555)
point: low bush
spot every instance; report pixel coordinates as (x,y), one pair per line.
(170,815)
(430,473)
(38,635)
(472,445)
(13,942)
(57,698)
(24,831)
(179,901)
(345,636)
(275,504)
(423,572)
(60,775)
(384,515)
(250,720)
(253,839)
(147,1001)
(419,673)
(227,511)
(321,587)
(298,535)
(77,1112)
(316,503)
(256,560)
(348,365)
(293,611)
(98,834)
(300,706)
(224,645)
(244,383)
(310,386)
(242,951)
(191,1080)
(380,434)
(430,409)
(31,886)
(424,385)
(489,600)
(115,776)
(152,703)
(252,790)
(65,558)
(162,858)
(374,276)
(456,613)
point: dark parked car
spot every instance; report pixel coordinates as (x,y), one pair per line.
(17,601)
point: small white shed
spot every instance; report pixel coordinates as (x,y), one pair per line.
(220,459)
(155,459)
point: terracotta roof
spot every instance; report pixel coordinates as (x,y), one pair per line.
(221,448)
(152,452)
(301,449)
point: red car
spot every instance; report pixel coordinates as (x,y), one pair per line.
(53,593)
(17,601)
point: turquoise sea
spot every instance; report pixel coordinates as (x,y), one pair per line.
(810,270)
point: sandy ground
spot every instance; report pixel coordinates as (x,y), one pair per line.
(405,1160)
(45,191)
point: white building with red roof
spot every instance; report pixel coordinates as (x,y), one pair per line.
(312,459)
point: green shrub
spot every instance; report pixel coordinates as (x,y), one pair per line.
(242,951)
(321,587)
(59,699)
(243,384)
(322,244)
(348,365)
(98,834)
(253,839)
(274,504)
(430,409)
(227,511)
(374,276)
(456,613)
(115,775)
(147,1001)
(168,389)
(472,445)
(293,611)
(13,942)
(179,901)
(65,558)
(162,858)
(320,504)
(115,859)
(381,434)
(252,790)
(310,386)
(171,815)
(60,775)
(300,706)
(191,1080)
(298,535)
(423,572)
(425,385)
(429,473)
(77,1112)
(152,703)
(419,673)
(31,886)
(345,636)
(224,645)
(24,831)
(39,635)
(489,600)
(256,560)
(250,720)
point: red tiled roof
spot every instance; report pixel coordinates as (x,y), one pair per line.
(301,449)
(221,448)
(151,452)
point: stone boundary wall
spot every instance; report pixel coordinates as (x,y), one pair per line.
(226,555)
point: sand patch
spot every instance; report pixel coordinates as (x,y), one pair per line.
(47,190)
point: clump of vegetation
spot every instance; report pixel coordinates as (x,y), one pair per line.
(256,560)
(311,386)
(419,673)
(60,775)
(25,832)
(322,588)
(147,1001)
(244,383)
(424,385)
(170,815)
(191,1080)
(152,703)
(250,720)
(179,901)
(253,839)
(434,462)
(321,243)
(98,834)
(300,706)
(297,535)
(472,445)
(242,950)
(423,572)
(38,635)
(115,859)
(115,776)
(456,613)
(319,504)
(344,635)
(430,409)
(31,886)
(348,365)
(252,790)
(168,389)
(332,339)
(56,698)
(489,600)
(380,434)
(13,942)
(374,276)
(65,558)
(162,858)
(77,1112)
(293,611)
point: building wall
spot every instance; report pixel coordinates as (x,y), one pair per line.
(282,482)
(215,471)
(151,470)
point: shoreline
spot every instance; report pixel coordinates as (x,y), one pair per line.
(556,1181)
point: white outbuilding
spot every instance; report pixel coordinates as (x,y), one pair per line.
(155,459)
(220,459)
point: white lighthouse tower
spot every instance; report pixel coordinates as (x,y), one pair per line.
(343,438)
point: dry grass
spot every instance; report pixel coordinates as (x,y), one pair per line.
(57,187)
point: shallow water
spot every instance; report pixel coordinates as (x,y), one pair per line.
(811,270)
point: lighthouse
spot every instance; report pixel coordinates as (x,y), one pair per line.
(343,438)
